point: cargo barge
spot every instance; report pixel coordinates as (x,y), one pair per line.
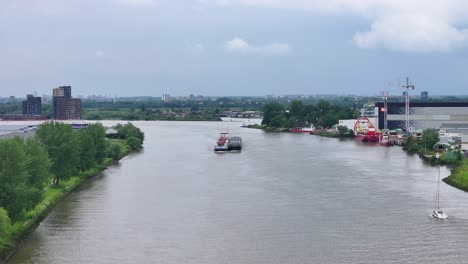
(228,144)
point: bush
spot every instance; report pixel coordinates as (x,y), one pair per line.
(5,223)
(133,142)
(114,151)
(278,121)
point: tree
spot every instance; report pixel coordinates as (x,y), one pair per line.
(343,130)
(38,168)
(97,134)
(297,108)
(271,110)
(328,119)
(292,122)
(114,150)
(86,150)
(128,130)
(323,106)
(429,138)
(61,145)
(278,121)
(13,177)
(411,145)
(133,142)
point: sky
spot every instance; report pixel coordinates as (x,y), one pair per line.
(233,47)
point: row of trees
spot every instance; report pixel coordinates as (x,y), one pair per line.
(28,166)
(322,113)
(143,113)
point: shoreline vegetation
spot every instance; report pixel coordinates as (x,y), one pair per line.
(37,173)
(455,159)
(151,114)
(280,118)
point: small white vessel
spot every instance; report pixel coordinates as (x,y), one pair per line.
(437,212)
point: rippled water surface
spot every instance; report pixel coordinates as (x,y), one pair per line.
(285,199)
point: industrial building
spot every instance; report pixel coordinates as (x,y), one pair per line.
(422,115)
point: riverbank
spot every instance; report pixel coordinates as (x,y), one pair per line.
(321,133)
(268,128)
(13,234)
(459,177)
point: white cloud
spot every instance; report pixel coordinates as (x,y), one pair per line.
(242,46)
(410,33)
(406,25)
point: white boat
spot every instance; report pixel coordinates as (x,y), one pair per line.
(437,212)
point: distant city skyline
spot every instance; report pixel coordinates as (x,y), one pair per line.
(413,94)
(232,47)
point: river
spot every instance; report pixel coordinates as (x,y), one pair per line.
(286,198)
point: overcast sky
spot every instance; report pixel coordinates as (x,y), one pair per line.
(232,47)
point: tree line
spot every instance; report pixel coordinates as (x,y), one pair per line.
(29,166)
(297,114)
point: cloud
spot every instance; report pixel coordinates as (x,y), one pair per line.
(404,25)
(410,33)
(241,46)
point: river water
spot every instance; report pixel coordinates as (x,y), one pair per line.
(285,198)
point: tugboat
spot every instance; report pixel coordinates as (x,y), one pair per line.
(385,138)
(225,143)
(222,144)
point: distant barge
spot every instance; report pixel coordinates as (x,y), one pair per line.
(227,144)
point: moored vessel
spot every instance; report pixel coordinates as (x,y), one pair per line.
(302,129)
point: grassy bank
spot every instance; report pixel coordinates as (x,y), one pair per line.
(324,133)
(12,234)
(459,176)
(269,128)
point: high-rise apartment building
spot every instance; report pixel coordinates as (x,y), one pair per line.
(424,96)
(65,107)
(166,97)
(32,105)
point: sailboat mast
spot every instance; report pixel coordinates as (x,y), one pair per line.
(438,187)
